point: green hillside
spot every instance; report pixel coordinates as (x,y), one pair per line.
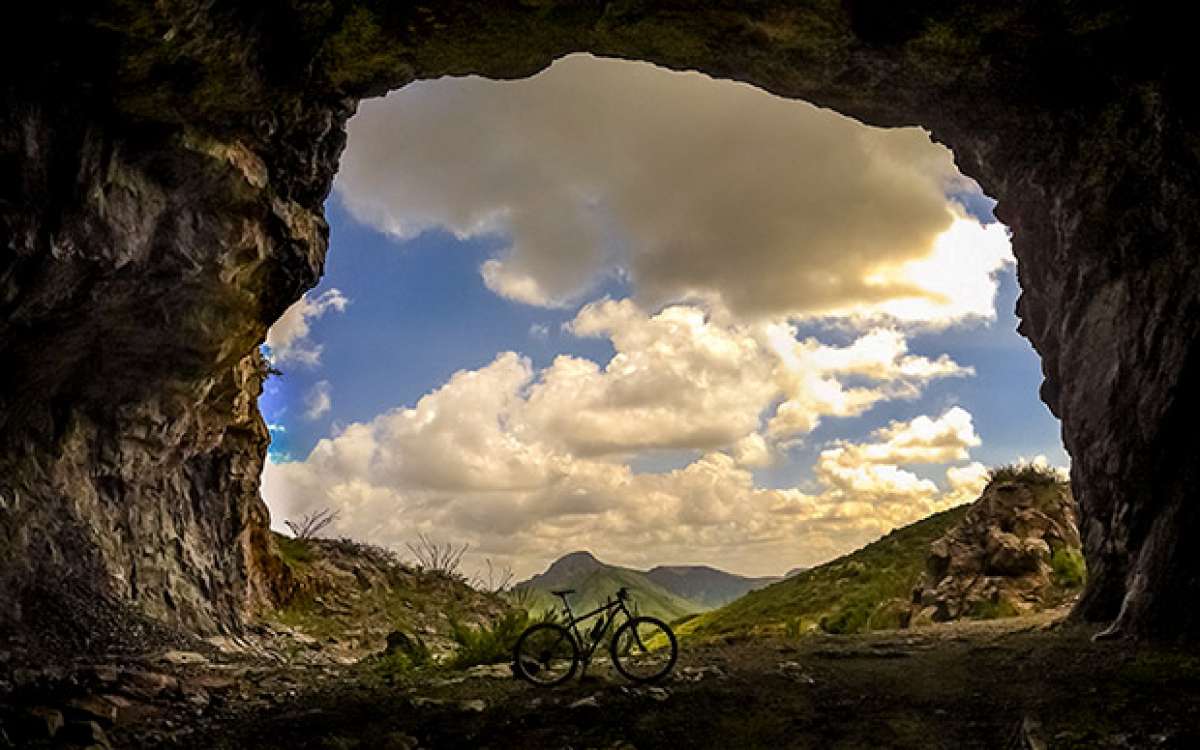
(706,586)
(595,581)
(859,591)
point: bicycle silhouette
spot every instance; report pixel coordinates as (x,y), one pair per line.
(643,649)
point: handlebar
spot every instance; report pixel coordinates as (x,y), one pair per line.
(622,593)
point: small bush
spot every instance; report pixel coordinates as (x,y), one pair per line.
(987,610)
(1070,570)
(851,618)
(489,644)
(496,580)
(311,524)
(793,628)
(404,654)
(1037,475)
(438,557)
(294,552)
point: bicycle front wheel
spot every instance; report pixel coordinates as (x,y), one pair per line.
(644,649)
(546,655)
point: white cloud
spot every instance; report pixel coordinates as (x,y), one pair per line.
(813,373)
(753,216)
(319,400)
(920,441)
(288,337)
(526,464)
(683,378)
(686,184)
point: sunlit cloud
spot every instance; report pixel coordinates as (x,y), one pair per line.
(288,338)
(736,220)
(684,185)
(527,463)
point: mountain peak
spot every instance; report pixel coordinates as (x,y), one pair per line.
(567,567)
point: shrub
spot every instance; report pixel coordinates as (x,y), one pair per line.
(404,653)
(438,557)
(1070,570)
(294,552)
(988,610)
(490,644)
(793,628)
(311,524)
(521,597)
(851,618)
(497,580)
(1026,473)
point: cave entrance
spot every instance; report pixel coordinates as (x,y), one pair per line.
(665,318)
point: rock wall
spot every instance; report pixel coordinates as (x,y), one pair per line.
(163,168)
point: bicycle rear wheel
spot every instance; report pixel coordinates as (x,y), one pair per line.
(546,655)
(644,649)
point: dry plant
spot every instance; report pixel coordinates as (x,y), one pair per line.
(438,557)
(495,581)
(311,524)
(521,597)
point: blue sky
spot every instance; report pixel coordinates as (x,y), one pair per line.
(419,311)
(794,301)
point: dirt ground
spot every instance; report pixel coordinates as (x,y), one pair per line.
(1031,682)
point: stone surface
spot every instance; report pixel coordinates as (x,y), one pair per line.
(92,708)
(162,173)
(86,733)
(998,561)
(40,723)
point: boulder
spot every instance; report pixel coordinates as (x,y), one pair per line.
(1000,559)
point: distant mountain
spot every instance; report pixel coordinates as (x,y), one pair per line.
(868,588)
(794,572)
(708,587)
(565,571)
(667,592)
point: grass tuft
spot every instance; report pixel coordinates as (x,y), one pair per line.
(1070,570)
(294,552)
(490,644)
(1036,475)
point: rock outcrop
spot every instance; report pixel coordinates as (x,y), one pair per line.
(1016,551)
(162,173)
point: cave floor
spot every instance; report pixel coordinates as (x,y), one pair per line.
(1020,683)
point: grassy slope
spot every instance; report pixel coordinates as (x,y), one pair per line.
(356,594)
(707,587)
(594,587)
(846,593)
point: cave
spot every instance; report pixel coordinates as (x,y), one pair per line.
(163,170)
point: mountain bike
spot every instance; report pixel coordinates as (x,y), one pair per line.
(643,649)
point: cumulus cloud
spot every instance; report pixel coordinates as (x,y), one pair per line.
(288,337)
(686,184)
(734,217)
(526,464)
(319,400)
(686,378)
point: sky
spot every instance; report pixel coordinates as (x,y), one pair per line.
(661,317)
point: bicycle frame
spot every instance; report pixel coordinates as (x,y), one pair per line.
(586,649)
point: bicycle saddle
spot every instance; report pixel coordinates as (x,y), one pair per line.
(563,592)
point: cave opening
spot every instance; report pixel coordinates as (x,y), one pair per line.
(656,316)
(171,164)
(164,175)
